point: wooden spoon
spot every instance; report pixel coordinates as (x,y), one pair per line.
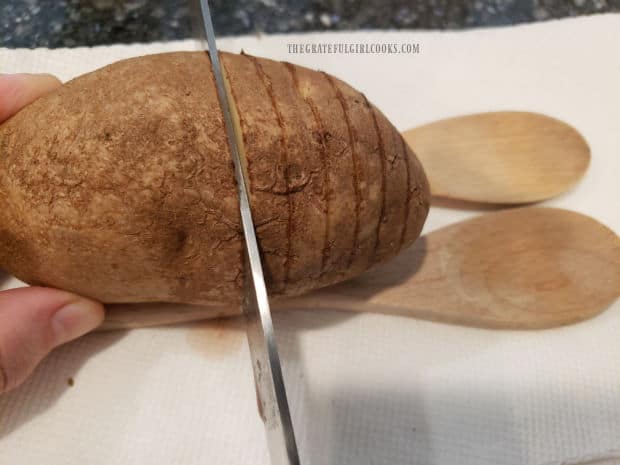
(501,158)
(522,269)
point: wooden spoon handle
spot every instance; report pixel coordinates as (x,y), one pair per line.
(374,292)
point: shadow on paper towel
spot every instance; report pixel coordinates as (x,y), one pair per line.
(223,337)
(52,379)
(357,426)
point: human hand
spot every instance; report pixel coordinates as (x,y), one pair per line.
(35,320)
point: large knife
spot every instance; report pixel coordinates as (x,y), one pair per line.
(271,393)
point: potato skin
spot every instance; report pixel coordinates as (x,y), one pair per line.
(119,186)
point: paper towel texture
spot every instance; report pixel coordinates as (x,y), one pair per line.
(364,389)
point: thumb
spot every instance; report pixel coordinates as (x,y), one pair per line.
(18,90)
(35,320)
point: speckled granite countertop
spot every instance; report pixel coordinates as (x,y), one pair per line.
(68,23)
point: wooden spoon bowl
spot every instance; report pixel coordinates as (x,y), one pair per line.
(500,158)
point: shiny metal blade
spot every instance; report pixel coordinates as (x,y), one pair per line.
(273,404)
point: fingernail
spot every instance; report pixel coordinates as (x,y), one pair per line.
(76,319)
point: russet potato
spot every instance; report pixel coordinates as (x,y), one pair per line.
(119,185)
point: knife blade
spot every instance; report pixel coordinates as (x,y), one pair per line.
(268,378)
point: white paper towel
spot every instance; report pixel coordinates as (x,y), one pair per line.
(364,389)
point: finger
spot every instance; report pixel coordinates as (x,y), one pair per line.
(33,321)
(18,90)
